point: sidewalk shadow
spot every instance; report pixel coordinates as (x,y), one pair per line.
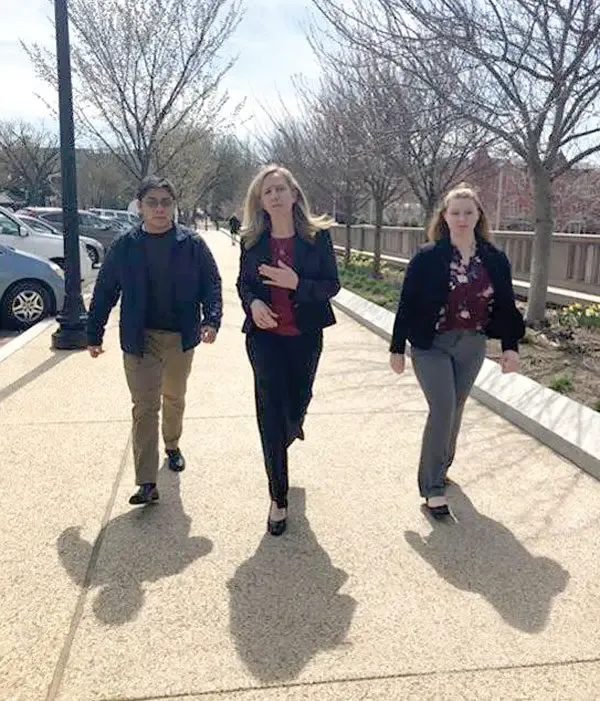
(285,605)
(142,545)
(55,359)
(477,554)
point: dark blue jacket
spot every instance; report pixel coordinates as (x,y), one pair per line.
(197,290)
(426,288)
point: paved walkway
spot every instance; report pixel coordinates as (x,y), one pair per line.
(363,598)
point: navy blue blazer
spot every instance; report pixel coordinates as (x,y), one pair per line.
(426,288)
(316,266)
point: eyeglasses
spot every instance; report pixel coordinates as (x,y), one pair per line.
(153,203)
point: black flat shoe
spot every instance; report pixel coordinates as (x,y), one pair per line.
(437,512)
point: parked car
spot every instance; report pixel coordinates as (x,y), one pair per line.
(122,215)
(115,223)
(89,224)
(95,249)
(31,288)
(15,233)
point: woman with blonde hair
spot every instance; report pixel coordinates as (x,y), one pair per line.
(288,274)
(457,291)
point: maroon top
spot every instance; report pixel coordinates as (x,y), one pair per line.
(283,249)
(470,298)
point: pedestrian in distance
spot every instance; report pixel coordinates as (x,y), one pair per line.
(234,227)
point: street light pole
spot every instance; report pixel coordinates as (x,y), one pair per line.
(71,334)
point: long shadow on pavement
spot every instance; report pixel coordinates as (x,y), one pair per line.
(285,605)
(480,555)
(24,380)
(142,545)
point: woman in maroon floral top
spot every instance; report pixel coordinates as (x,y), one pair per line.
(457,290)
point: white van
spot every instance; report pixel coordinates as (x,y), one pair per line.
(16,234)
(121,215)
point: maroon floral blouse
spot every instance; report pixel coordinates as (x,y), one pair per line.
(471,296)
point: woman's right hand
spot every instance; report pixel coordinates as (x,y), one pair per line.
(262,315)
(397,362)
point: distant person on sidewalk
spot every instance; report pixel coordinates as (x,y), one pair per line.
(457,290)
(288,274)
(234,228)
(171,301)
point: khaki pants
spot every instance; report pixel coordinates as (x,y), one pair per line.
(163,370)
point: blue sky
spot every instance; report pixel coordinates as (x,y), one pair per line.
(270,42)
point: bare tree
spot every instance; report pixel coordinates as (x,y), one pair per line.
(102,181)
(431,146)
(526,70)
(352,77)
(320,146)
(30,156)
(146,74)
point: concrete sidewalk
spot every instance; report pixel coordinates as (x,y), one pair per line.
(363,598)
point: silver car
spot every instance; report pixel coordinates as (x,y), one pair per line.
(95,249)
(31,288)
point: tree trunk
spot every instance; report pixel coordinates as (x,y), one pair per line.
(377,236)
(540,264)
(348,214)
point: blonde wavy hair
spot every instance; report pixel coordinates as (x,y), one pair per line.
(438,228)
(256,221)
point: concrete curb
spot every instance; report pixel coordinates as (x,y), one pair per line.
(36,330)
(567,427)
(24,338)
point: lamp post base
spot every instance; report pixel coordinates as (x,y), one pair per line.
(72,330)
(70,338)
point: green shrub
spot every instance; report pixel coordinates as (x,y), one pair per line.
(561,384)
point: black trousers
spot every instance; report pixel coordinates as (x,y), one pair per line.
(284,372)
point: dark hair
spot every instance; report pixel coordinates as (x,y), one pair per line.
(155,182)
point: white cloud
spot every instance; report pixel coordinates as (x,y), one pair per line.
(28,21)
(270,44)
(272,49)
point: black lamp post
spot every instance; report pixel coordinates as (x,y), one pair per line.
(71,333)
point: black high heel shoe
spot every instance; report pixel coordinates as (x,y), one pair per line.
(276,528)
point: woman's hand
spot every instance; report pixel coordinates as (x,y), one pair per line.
(397,362)
(280,276)
(262,315)
(509,361)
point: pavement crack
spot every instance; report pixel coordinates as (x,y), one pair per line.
(189,695)
(65,652)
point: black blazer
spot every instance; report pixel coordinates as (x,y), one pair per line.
(316,266)
(426,288)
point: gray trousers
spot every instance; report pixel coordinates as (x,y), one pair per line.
(446,373)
